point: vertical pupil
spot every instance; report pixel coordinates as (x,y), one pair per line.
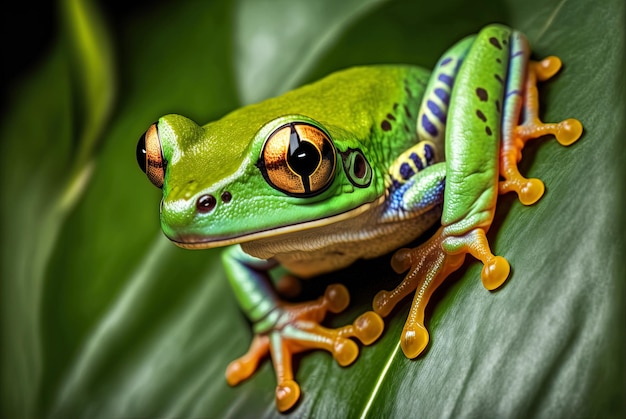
(304,159)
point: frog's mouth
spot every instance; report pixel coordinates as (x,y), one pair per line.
(193,241)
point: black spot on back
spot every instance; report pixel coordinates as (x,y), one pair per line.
(494,41)
(482,94)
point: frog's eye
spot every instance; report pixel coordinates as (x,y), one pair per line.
(298,159)
(150,156)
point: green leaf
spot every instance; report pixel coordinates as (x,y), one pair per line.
(103,317)
(48,139)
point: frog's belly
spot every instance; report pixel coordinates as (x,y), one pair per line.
(335,246)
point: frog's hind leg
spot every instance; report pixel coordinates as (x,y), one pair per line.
(471,189)
(514,134)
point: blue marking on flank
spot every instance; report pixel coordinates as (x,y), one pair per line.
(441,115)
(396,196)
(443,95)
(428,126)
(406,171)
(446,79)
(428,153)
(418,162)
(517,54)
(514,92)
(445,62)
(398,193)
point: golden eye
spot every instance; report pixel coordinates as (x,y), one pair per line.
(150,156)
(298,159)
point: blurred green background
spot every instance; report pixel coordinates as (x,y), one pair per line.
(103,317)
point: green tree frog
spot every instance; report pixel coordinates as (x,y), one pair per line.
(355,166)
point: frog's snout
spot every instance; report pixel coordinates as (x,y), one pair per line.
(185,210)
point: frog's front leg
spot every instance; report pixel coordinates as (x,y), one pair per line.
(284,329)
(483,109)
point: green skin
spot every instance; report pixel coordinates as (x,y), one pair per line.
(411,148)
(223,154)
(352,106)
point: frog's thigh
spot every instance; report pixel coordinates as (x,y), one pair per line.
(473,134)
(472,152)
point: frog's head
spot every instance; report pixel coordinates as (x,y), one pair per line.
(234,180)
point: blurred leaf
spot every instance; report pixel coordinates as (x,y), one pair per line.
(92,71)
(48,140)
(281,48)
(103,317)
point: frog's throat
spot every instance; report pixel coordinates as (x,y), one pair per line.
(190,241)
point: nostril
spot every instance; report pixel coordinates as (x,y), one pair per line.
(206,203)
(226,197)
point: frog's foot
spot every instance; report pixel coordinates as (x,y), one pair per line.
(566,133)
(428,266)
(293,328)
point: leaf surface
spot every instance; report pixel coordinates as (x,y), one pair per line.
(103,317)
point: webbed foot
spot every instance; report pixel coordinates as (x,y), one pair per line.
(566,132)
(292,328)
(428,266)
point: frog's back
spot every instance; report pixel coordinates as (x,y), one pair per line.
(358,100)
